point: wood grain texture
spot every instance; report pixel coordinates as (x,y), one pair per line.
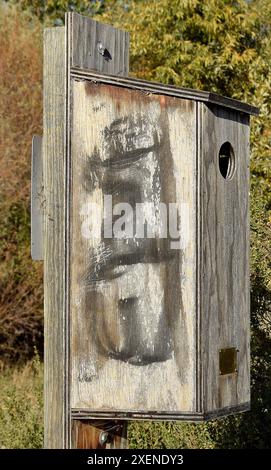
(224,279)
(86,434)
(63,47)
(37,199)
(98,46)
(133,333)
(55,331)
(102,48)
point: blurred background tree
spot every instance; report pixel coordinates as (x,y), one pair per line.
(53,11)
(218,45)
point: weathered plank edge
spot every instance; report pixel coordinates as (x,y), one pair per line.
(36,199)
(199,366)
(55,331)
(67,181)
(170,90)
(163,416)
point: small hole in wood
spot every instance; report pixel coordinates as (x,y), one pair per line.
(226,160)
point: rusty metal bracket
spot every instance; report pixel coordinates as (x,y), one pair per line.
(228,361)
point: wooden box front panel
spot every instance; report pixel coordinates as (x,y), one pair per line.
(132,300)
(225,305)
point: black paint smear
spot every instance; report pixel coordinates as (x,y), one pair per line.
(117,172)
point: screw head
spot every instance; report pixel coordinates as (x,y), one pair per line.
(101,48)
(103,438)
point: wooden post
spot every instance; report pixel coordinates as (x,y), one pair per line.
(86,44)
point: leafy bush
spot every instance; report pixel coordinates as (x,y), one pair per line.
(21,406)
(53,11)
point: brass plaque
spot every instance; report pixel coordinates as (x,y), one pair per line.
(228,361)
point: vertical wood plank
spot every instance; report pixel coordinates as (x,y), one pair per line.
(37,199)
(225,307)
(100,47)
(55,356)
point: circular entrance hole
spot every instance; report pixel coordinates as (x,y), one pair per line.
(226,160)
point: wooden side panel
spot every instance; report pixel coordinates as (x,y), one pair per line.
(224,208)
(98,46)
(37,199)
(55,413)
(133,314)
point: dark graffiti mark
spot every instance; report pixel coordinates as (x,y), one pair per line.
(105,269)
(134,164)
(107,55)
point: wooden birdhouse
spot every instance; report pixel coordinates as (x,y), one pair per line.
(146,240)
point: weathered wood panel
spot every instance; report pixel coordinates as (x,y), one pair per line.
(37,199)
(55,332)
(98,46)
(133,302)
(224,208)
(99,434)
(64,47)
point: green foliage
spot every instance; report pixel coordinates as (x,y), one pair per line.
(169,435)
(21,406)
(200,44)
(53,11)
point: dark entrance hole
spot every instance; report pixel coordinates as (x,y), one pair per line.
(226,160)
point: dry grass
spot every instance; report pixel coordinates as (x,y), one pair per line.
(20,118)
(20,100)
